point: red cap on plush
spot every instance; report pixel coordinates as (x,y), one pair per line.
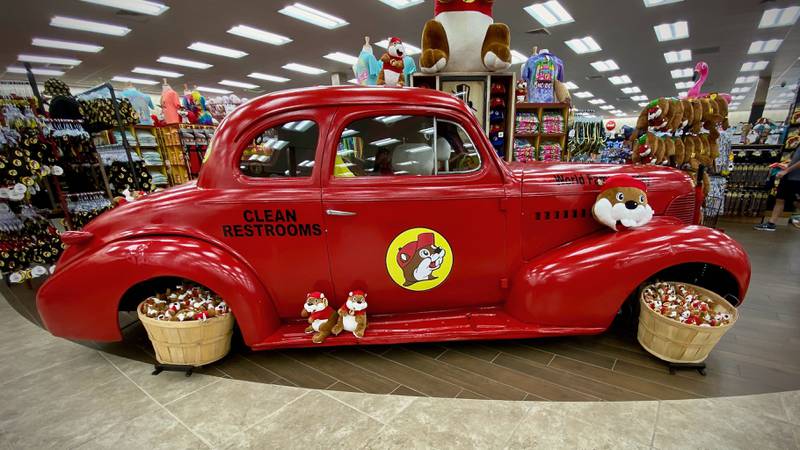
(624,181)
(481,6)
(315,294)
(423,240)
(357,292)
(395,40)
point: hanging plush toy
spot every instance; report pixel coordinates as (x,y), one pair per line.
(353,315)
(203,116)
(391,73)
(462,37)
(321,317)
(622,199)
(367,67)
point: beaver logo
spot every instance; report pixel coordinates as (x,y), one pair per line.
(419,259)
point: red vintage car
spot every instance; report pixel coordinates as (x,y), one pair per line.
(397,192)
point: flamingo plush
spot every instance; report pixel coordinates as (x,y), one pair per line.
(701,70)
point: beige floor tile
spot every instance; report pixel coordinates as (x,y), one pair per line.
(380,407)
(154,431)
(791,404)
(165,387)
(586,425)
(229,407)
(45,353)
(313,421)
(707,423)
(451,423)
(768,405)
(66,422)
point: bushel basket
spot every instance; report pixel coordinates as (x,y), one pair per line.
(189,343)
(678,342)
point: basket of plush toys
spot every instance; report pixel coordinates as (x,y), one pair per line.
(681,323)
(188,326)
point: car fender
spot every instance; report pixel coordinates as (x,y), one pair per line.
(81,301)
(583,284)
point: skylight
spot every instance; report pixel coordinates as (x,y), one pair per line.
(549,14)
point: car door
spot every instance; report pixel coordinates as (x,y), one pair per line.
(414,210)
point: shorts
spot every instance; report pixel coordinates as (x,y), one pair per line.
(788,190)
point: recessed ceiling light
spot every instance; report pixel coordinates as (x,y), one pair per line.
(570,85)
(583,45)
(238,84)
(410,49)
(303,69)
(134,80)
(620,79)
(71,62)
(783,94)
(342,58)
(351,81)
(638,98)
(402,4)
(682,73)
(738,97)
(65,45)
(88,25)
(779,17)
(683,94)
(764,46)
(672,31)
(216,50)
(213,90)
(684,84)
(35,70)
(264,76)
(746,80)
(313,16)
(740,90)
(549,13)
(631,90)
(384,142)
(597,101)
(651,3)
(678,56)
(642,104)
(584,94)
(754,66)
(184,62)
(259,35)
(137,6)
(605,66)
(606,107)
(517,57)
(157,72)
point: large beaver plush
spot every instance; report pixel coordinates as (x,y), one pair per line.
(624,200)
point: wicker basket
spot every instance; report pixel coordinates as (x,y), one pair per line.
(191,343)
(678,342)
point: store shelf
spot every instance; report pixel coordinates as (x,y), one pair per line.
(525,106)
(756,146)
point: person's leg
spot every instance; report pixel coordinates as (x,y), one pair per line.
(784,191)
(777,210)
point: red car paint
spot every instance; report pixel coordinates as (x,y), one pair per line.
(528,259)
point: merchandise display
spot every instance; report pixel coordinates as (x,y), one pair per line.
(685,305)
(184,303)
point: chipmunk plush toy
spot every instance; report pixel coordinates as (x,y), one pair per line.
(353,315)
(391,73)
(462,37)
(321,317)
(654,116)
(622,199)
(645,149)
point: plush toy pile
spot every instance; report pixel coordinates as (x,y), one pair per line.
(684,304)
(183,304)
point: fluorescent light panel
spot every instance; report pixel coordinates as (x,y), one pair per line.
(402,4)
(157,72)
(517,57)
(769,46)
(137,6)
(779,17)
(259,35)
(754,66)
(684,84)
(267,77)
(35,70)
(184,62)
(597,101)
(66,45)
(313,16)
(746,80)
(740,90)
(549,14)
(605,66)
(583,45)
(584,94)
(738,97)
(672,31)
(238,84)
(631,90)
(124,79)
(642,104)
(410,49)
(682,73)
(570,85)
(303,69)
(213,90)
(216,50)
(342,58)
(620,79)
(652,3)
(678,56)
(638,98)
(87,25)
(606,107)
(70,62)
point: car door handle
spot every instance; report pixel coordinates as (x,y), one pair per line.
(336,212)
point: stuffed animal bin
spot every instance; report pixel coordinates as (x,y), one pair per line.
(623,200)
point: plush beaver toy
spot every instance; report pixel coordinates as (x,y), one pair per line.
(353,315)
(462,37)
(420,259)
(622,199)
(321,317)
(391,73)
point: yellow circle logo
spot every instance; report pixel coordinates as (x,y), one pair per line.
(419,259)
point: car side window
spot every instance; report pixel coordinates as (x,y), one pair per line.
(401,145)
(284,151)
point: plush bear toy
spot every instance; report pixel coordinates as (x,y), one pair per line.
(321,317)
(675,113)
(669,151)
(697,116)
(353,315)
(680,152)
(622,199)
(462,37)
(688,113)
(722,108)
(391,73)
(688,150)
